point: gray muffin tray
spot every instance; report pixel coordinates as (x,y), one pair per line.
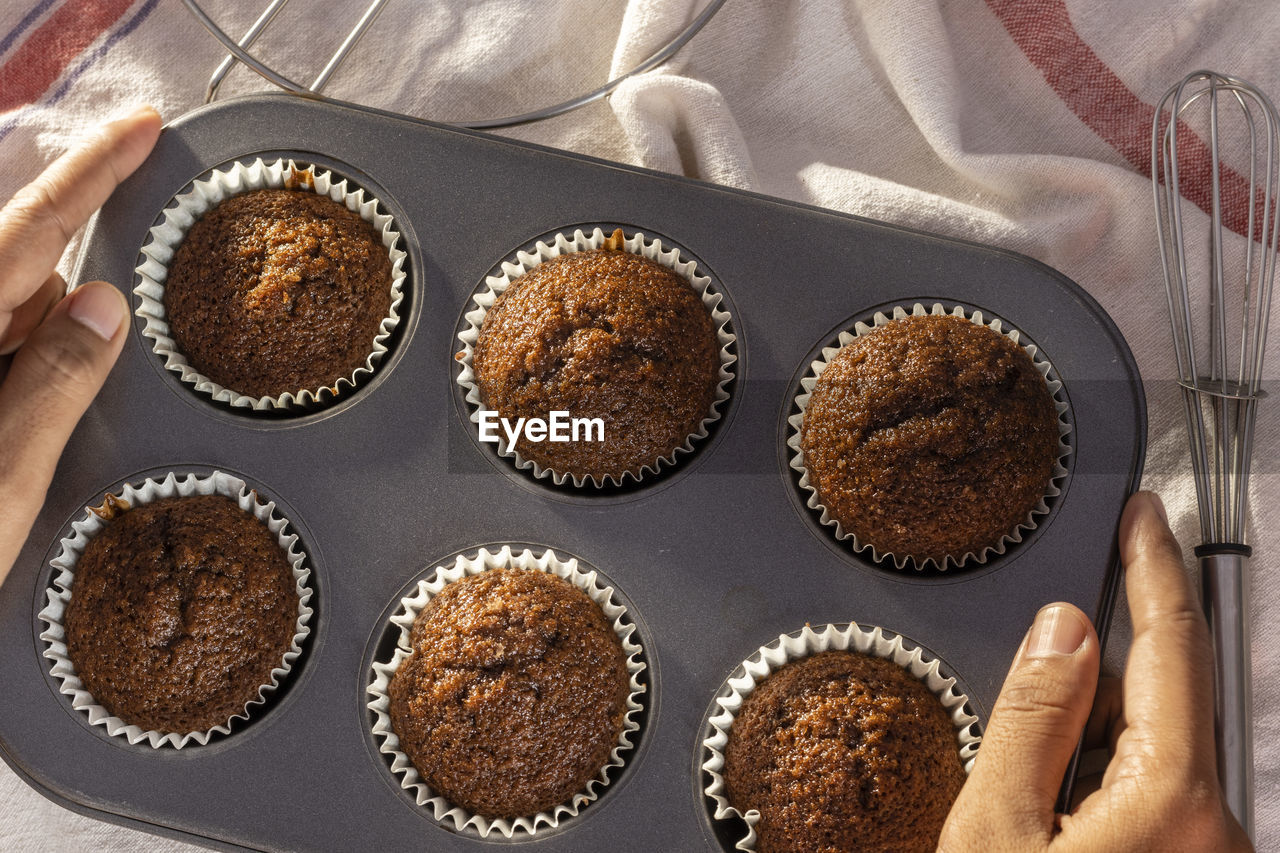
(714,558)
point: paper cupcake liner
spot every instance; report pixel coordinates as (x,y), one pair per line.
(547,561)
(801,644)
(1052,488)
(207,193)
(562,244)
(93,522)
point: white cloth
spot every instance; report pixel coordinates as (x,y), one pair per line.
(1003,121)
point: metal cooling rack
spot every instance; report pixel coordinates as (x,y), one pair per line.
(238,52)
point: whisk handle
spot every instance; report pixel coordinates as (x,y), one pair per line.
(1225,588)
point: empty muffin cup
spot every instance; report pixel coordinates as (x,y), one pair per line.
(296,265)
(799,645)
(178,618)
(581,341)
(514,693)
(889,448)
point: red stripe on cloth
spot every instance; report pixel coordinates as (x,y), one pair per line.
(1042,29)
(34,66)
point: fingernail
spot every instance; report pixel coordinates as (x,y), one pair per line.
(1158,506)
(1057,630)
(99,309)
(136,112)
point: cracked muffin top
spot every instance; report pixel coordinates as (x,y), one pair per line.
(600,334)
(514,694)
(843,752)
(930,437)
(278,291)
(180,609)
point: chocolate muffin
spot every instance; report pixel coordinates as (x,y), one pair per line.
(277,291)
(600,334)
(179,611)
(514,694)
(843,752)
(930,437)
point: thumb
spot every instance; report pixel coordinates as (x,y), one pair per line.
(1035,725)
(51,381)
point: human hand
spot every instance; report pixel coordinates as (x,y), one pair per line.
(55,350)
(1160,790)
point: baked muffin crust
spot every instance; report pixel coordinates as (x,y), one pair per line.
(930,437)
(600,334)
(277,291)
(179,611)
(514,694)
(843,752)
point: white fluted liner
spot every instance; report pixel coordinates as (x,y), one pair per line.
(563,244)
(59,595)
(1052,488)
(463,566)
(205,194)
(808,641)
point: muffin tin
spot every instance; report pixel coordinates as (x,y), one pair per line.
(715,557)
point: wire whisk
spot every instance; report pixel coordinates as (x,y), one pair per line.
(1218,285)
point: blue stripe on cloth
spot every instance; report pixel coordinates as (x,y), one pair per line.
(27,20)
(69,80)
